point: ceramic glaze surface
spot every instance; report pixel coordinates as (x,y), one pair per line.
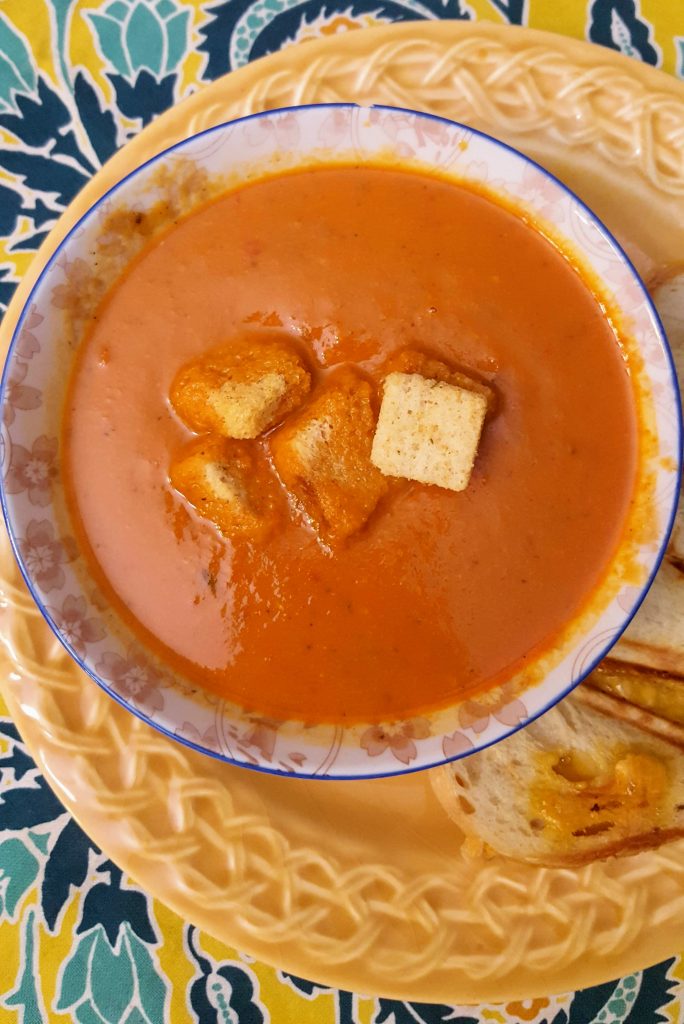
(49,329)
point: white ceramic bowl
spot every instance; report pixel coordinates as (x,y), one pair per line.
(33,386)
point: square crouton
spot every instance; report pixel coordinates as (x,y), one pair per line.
(428,431)
(323,457)
(227,483)
(412,361)
(242,389)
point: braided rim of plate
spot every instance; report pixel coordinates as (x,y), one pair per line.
(206,839)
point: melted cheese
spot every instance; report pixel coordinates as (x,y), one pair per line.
(583,795)
(662,695)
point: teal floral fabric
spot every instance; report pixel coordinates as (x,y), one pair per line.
(62,114)
(55,882)
(79,941)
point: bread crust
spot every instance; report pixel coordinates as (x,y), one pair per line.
(615,707)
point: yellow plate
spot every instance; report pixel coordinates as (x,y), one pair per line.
(362,885)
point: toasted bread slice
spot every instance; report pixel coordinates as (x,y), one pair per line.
(577,785)
(655,637)
(662,726)
(668,296)
(641,689)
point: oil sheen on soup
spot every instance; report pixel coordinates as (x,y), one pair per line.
(433,594)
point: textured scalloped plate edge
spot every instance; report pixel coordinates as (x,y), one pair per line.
(395,908)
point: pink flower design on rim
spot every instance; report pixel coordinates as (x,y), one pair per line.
(77,273)
(133,678)
(475,715)
(631,295)
(208,738)
(541,191)
(72,623)
(44,556)
(410,134)
(455,744)
(336,127)
(19,395)
(34,470)
(285,128)
(429,130)
(645,266)
(399,739)
(479,169)
(263,735)
(27,343)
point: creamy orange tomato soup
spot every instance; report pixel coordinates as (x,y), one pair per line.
(440,594)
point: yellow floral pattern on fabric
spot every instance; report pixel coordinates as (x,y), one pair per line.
(78,939)
(81,942)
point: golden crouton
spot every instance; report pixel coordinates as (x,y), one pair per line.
(412,361)
(428,431)
(227,483)
(242,389)
(323,457)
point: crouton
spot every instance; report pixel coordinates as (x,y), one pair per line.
(323,457)
(428,431)
(242,389)
(412,361)
(227,483)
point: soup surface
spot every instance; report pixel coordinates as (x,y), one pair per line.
(441,594)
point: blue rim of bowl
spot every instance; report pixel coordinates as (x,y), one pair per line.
(604,649)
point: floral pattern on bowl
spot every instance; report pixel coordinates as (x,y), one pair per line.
(32,496)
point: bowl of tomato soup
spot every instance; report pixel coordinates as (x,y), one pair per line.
(339,441)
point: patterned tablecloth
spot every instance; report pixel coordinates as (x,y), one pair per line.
(78,940)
